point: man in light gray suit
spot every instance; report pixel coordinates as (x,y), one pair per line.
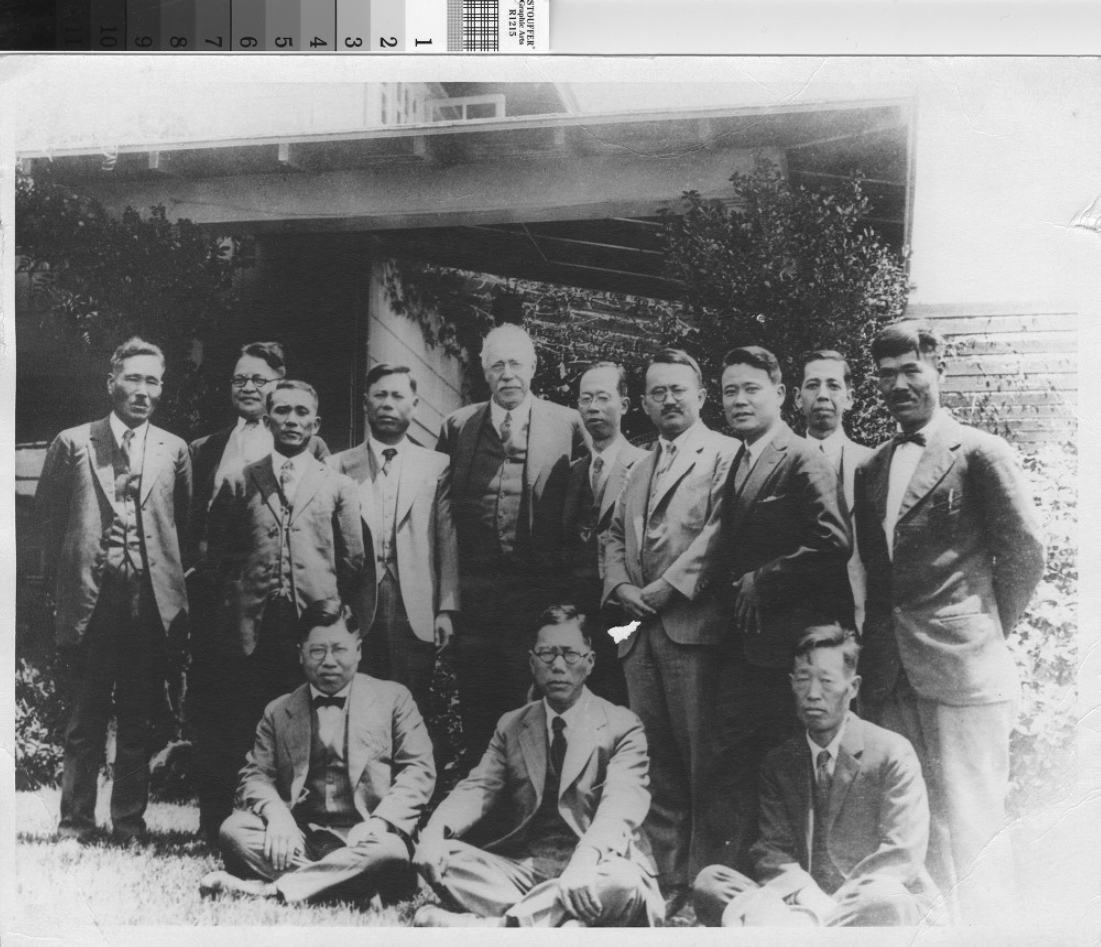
(825,397)
(406,609)
(659,565)
(334,785)
(113,498)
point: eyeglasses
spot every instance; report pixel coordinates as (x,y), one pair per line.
(571,657)
(239,381)
(318,652)
(601,401)
(679,393)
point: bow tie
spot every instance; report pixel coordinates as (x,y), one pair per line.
(916,438)
(325,700)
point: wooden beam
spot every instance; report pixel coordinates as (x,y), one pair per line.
(288,159)
(570,240)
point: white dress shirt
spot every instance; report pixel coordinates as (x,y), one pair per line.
(330,720)
(904,462)
(833,746)
(385,489)
(570,717)
(243,448)
(137,444)
(521,414)
(608,455)
(832,446)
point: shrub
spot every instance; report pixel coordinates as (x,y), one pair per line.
(40,717)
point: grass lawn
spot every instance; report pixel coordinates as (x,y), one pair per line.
(62,885)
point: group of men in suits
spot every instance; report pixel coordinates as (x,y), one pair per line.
(733,556)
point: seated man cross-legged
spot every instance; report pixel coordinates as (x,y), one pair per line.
(844,818)
(544,832)
(333,788)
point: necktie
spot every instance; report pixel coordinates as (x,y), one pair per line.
(122,484)
(598,482)
(390,453)
(821,866)
(285,482)
(741,469)
(327,700)
(558,744)
(822,785)
(916,438)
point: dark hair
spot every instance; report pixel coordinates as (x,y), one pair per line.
(830,636)
(562,613)
(755,357)
(294,385)
(671,356)
(382,369)
(828,355)
(909,335)
(135,345)
(324,613)
(270,352)
(621,374)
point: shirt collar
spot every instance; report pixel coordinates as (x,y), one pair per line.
(277,461)
(241,422)
(762,442)
(519,414)
(570,716)
(377,447)
(343,692)
(831,446)
(932,425)
(611,452)
(683,438)
(833,746)
(119,427)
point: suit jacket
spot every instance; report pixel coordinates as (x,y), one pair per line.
(878,821)
(389,754)
(687,516)
(787,528)
(244,534)
(427,549)
(206,456)
(852,456)
(584,544)
(603,795)
(76,497)
(554,439)
(968,554)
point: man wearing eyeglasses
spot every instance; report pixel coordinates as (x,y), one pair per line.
(114,500)
(215,458)
(553,810)
(284,532)
(596,482)
(510,460)
(336,781)
(659,565)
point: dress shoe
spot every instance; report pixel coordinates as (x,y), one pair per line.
(429,915)
(222,882)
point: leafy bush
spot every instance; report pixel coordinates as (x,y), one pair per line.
(40,717)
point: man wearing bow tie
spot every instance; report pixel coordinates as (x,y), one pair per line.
(844,814)
(215,458)
(953,553)
(114,499)
(284,532)
(545,831)
(406,609)
(339,774)
(596,482)
(660,565)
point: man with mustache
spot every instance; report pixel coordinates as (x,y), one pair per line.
(114,498)
(660,566)
(510,461)
(953,550)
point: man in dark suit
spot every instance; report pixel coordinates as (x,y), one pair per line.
(510,460)
(545,831)
(824,397)
(407,607)
(283,532)
(596,481)
(785,544)
(215,458)
(340,772)
(660,565)
(112,496)
(844,814)
(953,553)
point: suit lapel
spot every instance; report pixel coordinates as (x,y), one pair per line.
(414,472)
(102,457)
(683,462)
(771,455)
(541,451)
(879,479)
(156,456)
(581,742)
(533,746)
(361,698)
(617,479)
(638,496)
(296,738)
(268,487)
(469,434)
(848,765)
(936,459)
(357,463)
(313,475)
